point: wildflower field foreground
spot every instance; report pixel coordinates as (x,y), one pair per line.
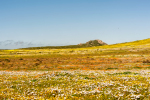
(75,85)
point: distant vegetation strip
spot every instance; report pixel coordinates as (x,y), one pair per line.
(90,43)
(56,47)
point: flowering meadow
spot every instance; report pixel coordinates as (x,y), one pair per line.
(110,72)
(75,85)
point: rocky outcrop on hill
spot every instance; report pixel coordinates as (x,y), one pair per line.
(93,43)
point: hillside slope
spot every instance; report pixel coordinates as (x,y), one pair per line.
(136,44)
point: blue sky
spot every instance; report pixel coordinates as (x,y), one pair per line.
(25,23)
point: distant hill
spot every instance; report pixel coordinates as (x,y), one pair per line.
(90,43)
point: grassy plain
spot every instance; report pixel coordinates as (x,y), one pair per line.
(118,71)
